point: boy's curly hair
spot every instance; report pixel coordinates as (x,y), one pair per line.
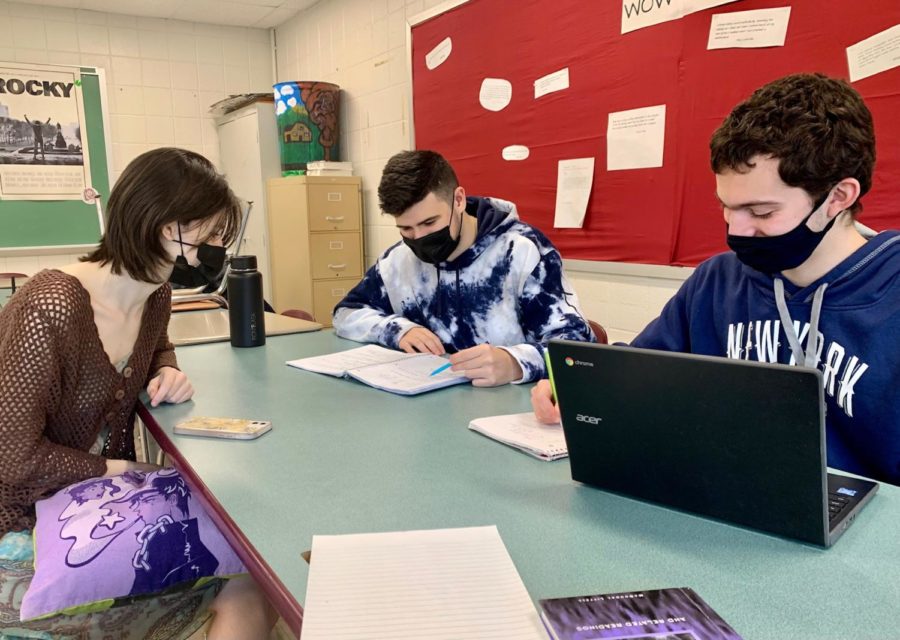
(818,128)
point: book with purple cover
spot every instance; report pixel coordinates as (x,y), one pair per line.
(662,614)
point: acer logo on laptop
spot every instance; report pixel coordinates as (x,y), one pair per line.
(580,417)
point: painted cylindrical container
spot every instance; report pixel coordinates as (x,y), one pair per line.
(308,115)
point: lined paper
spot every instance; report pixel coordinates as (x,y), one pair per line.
(523,431)
(443,584)
(409,376)
(337,364)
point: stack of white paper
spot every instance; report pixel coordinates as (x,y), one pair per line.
(329,168)
(445,584)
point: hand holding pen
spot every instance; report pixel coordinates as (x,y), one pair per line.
(543,397)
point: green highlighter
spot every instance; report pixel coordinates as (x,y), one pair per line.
(550,373)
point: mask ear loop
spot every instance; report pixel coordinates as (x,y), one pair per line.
(180,261)
(180,242)
(818,205)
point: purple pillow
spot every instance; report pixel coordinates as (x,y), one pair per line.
(120,537)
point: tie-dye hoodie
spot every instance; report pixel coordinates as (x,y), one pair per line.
(508,290)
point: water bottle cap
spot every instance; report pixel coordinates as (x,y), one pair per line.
(243,263)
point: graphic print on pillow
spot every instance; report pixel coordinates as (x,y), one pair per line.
(123,536)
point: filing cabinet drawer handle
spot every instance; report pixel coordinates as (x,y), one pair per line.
(337,267)
(334,218)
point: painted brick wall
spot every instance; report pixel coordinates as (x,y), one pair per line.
(162,75)
(361,46)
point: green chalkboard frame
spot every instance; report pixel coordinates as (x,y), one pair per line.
(64,226)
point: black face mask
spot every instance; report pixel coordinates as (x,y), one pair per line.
(211,257)
(437,246)
(772,254)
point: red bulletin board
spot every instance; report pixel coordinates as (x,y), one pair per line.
(666,215)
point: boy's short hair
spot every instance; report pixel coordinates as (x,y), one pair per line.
(157,188)
(410,176)
(818,128)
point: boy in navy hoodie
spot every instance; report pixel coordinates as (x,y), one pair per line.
(469,279)
(803,284)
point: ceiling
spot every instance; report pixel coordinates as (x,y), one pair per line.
(261,14)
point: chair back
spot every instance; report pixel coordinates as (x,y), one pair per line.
(599,332)
(300,314)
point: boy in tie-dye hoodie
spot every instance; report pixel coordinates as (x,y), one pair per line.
(468,279)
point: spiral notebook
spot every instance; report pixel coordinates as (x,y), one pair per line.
(524,432)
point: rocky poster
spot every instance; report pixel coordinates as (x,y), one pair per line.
(43,143)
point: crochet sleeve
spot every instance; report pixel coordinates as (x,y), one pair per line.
(30,375)
(164,353)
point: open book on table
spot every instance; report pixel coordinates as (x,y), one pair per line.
(403,373)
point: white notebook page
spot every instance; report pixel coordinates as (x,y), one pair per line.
(337,364)
(409,375)
(443,584)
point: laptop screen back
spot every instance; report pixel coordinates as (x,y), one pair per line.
(737,441)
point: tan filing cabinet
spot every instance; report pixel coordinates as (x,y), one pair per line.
(315,242)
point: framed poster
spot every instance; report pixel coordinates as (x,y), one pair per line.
(43,141)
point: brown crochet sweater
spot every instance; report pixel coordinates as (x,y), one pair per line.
(58,389)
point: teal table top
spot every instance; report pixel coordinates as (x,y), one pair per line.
(345,458)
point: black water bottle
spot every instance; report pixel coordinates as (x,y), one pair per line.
(245,303)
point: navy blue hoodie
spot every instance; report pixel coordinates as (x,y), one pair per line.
(728,309)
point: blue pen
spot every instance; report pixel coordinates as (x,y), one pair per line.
(443,367)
